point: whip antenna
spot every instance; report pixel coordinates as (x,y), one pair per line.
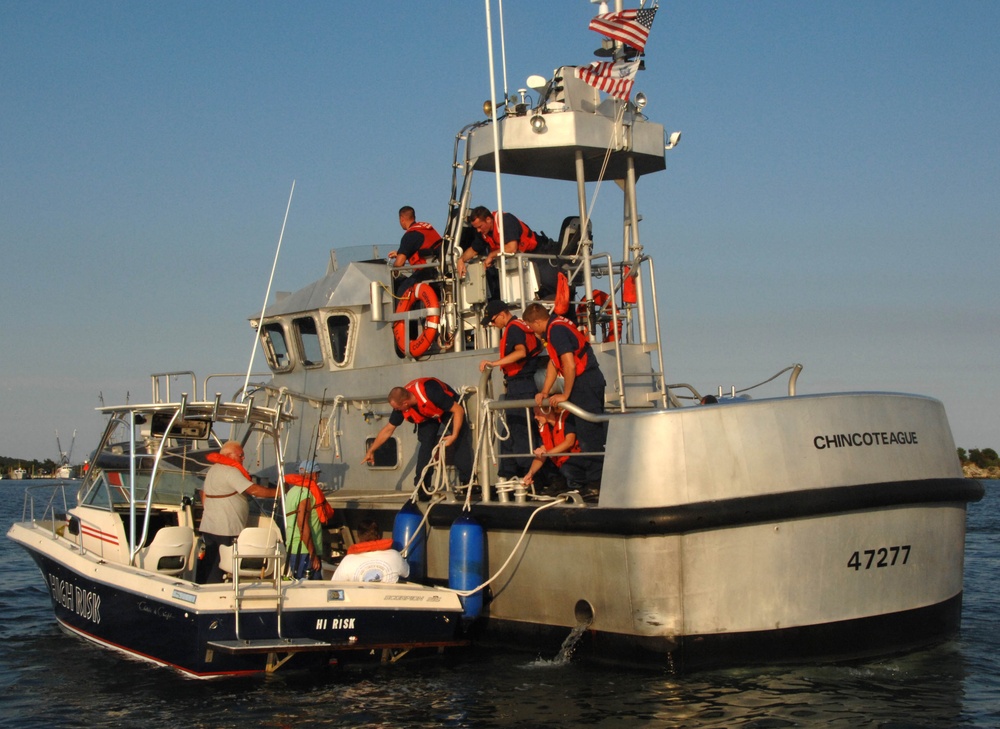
(267,294)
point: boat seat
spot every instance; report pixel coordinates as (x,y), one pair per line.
(171,551)
(257,552)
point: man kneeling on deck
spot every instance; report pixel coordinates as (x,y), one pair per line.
(372,559)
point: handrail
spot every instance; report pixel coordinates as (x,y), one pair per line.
(792,380)
(156,382)
(136,544)
(48,510)
(217,375)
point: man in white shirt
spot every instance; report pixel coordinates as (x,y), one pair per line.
(227,484)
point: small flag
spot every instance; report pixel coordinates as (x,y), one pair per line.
(631,27)
(614,77)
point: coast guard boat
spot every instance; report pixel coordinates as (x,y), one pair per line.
(782,527)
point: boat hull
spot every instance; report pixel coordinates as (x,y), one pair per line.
(826,577)
(193,628)
(847,640)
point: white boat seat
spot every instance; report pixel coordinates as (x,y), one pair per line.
(170,552)
(257,552)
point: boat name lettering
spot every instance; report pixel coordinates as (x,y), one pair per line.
(880,557)
(157,610)
(335,623)
(844,440)
(85,603)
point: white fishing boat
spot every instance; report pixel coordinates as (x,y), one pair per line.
(64,469)
(119,558)
(783,526)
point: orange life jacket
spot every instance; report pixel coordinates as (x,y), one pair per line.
(425,409)
(531,344)
(580,352)
(320,504)
(431,242)
(374,545)
(600,299)
(525,244)
(227,461)
(553,434)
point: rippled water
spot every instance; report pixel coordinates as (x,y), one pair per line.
(48,678)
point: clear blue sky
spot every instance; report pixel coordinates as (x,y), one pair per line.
(834,199)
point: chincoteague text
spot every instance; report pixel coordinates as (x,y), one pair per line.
(849,440)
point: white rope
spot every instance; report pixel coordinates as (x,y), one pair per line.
(607,158)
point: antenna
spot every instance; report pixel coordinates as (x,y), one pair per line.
(496,135)
(267,293)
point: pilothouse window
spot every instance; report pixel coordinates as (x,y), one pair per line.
(275,346)
(387,455)
(339,327)
(312,354)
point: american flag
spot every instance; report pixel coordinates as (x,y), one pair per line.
(614,77)
(631,27)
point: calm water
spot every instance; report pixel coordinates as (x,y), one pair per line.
(48,678)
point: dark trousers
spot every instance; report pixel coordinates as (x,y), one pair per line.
(209,570)
(521,387)
(547,270)
(460,453)
(299,565)
(402,283)
(588,394)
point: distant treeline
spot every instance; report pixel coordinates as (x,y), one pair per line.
(42,468)
(983,458)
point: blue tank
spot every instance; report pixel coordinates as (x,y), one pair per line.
(467,562)
(406,524)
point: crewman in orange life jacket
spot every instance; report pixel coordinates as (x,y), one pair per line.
(558,438)
(435,408)
(518,238)
(519,359)
(419,244)
(571,356)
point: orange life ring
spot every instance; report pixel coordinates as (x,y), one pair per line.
(425,294)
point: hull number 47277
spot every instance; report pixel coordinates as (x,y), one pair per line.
(881,557)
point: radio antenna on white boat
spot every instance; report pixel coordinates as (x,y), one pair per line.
(267,294)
